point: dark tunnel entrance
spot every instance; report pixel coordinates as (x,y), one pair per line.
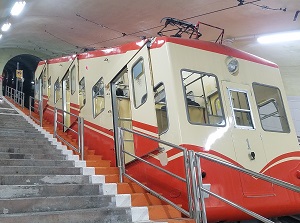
(27,63)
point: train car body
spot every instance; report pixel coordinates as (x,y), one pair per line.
(203,96)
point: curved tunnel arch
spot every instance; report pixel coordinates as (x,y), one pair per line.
(28,63)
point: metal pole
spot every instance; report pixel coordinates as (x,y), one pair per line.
(82,137)
(200,184)
(120,148)
(41,112)
(188,181)
(55,122)
(197,212)
(17,81)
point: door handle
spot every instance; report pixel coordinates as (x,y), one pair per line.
(251,154)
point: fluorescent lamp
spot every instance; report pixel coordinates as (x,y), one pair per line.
(17,8)
(279,37)
(5,27)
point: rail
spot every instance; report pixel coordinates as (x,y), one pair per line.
(79,132)
(121,164)
(196,190)
(15,95)
(197,180)
(32,107)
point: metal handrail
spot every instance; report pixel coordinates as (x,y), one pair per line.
(195,159)
(15,95)
(39,110)
(80,132)
(186,180)
(194,179)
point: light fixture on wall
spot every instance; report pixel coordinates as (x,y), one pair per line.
(5,26)
(17,8)
(0,36)
(279,37)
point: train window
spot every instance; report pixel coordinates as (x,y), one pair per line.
(270,108)
(161,108)
(241,109)
(73,79)
(202,96)
(139,83)
(56,90)
(82,96)
(49,87)
(98,97)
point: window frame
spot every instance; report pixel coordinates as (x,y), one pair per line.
(166,104)
(93,97)
(283,107)
(73,79)
(55,90)
(133,82)
(185,96)
(82,79)
(253,127)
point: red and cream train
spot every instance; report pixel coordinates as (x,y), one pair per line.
(203,96)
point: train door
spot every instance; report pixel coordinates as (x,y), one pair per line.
(66,99)
(140,107)
(246,137)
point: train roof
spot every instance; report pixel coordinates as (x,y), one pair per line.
(159,42)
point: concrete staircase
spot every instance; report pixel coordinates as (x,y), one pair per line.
(42,181)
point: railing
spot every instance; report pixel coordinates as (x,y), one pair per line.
(38,119)
(196,189)
(121,164)
(79,132)
(196,169)
(15,95)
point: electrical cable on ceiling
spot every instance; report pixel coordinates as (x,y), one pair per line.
(269,8)
(42,48)
(123,34)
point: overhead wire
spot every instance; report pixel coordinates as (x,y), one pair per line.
(123,34)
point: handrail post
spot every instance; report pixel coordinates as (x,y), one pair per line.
(188,182)
(55,123)
(81,136)
(200,186)
(41,112)
(120,148)
(198,214)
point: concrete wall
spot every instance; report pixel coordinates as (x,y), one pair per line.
(7,53)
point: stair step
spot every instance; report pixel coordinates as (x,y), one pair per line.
(44,179)
(40,170)
(129,188)
(47,190)
(112,178)
(98,163)
(4,155)
(92,157)
(144,199)
(36,162)
(115,215)
(163,212)
(11,149)
(177,220)
(61,203)
(106,170)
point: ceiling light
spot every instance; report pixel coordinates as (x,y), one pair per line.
(5,27)
(17,8)
(279,37)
